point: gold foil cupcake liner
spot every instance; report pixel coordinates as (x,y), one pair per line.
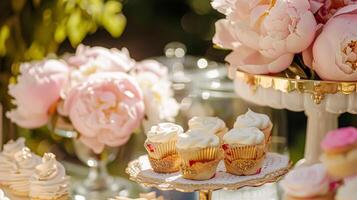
(267,133)
(235,152)
(161,150)
(200,170)
(244,166)
(205,154)
(168,164)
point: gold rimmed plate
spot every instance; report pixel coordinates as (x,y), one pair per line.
(275,166)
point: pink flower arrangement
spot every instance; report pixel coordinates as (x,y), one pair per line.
(266,36)
(104,93)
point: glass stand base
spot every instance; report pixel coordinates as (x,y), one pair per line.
(100,190)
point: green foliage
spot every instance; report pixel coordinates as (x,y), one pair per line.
(31,29)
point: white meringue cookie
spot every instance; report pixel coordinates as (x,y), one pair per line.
(49,180)
(19,176)
(7,161)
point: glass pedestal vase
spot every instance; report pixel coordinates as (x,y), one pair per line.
(98,184)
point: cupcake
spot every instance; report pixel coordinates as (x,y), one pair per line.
(200,154)
(253,119)
(3,196)
(211,125)
(244,151)
(340,152)
(307,182)
(7,159)
(348,191)
(49,181)
(24,167)
(161,147)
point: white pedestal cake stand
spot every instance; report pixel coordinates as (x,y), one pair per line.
(140,171)
(322,102)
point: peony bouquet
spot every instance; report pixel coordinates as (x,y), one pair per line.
(104,93)
(271,36)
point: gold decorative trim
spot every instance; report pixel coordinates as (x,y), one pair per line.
(134,169)
(318,89)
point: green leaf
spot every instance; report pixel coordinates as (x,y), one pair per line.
(77,28)
(113,21)
(60,33)
(35,52)
(4,35)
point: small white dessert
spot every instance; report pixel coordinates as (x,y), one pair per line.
(164,132)
(49,182)
(348,191)
(7,158)
(24,167)
(244,136)
(2,196)
(210,125)
(195,139)
(307,181)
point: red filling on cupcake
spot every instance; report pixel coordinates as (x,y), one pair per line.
(258,171)
(192,162)
(150,147)
(225,147)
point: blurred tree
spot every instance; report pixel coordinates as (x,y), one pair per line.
(33,29)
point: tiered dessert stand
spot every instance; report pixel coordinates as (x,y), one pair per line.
(140,171)
(322,102)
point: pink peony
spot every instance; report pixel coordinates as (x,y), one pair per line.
(264,38)
(160,104)
(325,9)
(112,59)
(105,109)
(37,89)
(152,66)
(334,53)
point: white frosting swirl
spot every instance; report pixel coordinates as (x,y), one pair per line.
(2,196)
(252,119)
(49,180)
(306,181)
(348,191)
(207,124)
(7,161)
(195,139)
(12,147)
(164,132)
(245,136)
(25,163)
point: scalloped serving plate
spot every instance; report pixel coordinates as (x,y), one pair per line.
(275,166)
